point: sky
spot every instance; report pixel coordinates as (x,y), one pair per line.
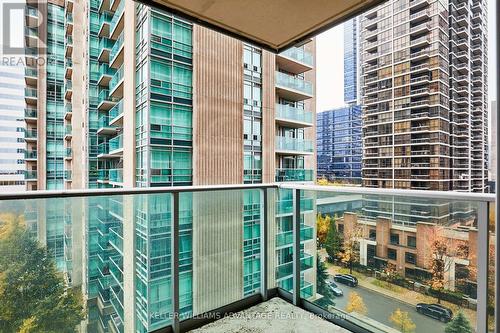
(330,64)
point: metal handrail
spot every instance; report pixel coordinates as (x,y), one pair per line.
(460,196)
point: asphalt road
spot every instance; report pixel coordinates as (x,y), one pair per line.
(380,307)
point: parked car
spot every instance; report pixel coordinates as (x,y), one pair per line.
(347,279)
(435,311)
(335,289)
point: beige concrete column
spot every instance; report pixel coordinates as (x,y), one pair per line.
(129,95)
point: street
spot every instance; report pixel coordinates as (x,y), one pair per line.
(380,307)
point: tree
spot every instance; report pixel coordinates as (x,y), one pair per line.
(356,304)
(402,321)
(350,251)
(33,295)
(322,181)
(333,242)
(322,227)
(458,324)
(443,252)
(322,280)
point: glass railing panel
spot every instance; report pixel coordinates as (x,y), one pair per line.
(293,113)
(294,175)
(298,54)
(116,47)
(289,81)
(293,144)
(116,110)
(116,143)
(384,260)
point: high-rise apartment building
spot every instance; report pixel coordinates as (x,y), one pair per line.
(492,173)
(351,61)
(424,66)
(12,111)
(338,131)
(137,97)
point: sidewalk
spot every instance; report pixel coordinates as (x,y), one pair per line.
(398,293)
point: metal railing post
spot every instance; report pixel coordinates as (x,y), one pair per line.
(296,247)
(175,262)
(482,267)
(263,244)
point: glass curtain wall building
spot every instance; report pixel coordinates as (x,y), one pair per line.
(339,144)
(338,131)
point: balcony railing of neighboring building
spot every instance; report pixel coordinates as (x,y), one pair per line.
(293,145)
(291,113)
(194,229)
(299,55)
(291,82)
(294,175)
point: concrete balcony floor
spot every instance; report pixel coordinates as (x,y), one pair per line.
(273,316)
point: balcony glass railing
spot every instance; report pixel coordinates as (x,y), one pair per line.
(30,92)
(116,143)
(30,174)
(103,148)
(298,54)
(116,110)
(294,175)
(117,16)
(68,152)
(30,134)
(30,113)
(291,82)
(116,175)
(30,71)
(444,253)
(104,69)
(104,121)
(30,154)
(293,144)
(117,78)
(294,114)
(116,47)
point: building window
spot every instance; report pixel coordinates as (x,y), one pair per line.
(373,234)
(395,239)
(411,241)
(392,254)
(410,258)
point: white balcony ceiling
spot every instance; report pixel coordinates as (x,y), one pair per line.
(273,24)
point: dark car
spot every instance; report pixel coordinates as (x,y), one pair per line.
(335,289)
(435,311)
(347,279)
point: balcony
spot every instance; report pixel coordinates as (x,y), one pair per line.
(68,90)
(30,155)
(104,22)
(116,24)
(31,95)
(116,145)
(116,113)
(68,132)
(207,232)
(294,175)
(293,146)
(68,111)
(116,53)
(69,47)
(30,135)
(104,127)
(105,75)
(30,115)
(106,102)
(30,175)
(116,84)
(105,47)
(115,175)
(68,153)
(293,117)
(31,36)
(295,60)
(31,76)
(292,88)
